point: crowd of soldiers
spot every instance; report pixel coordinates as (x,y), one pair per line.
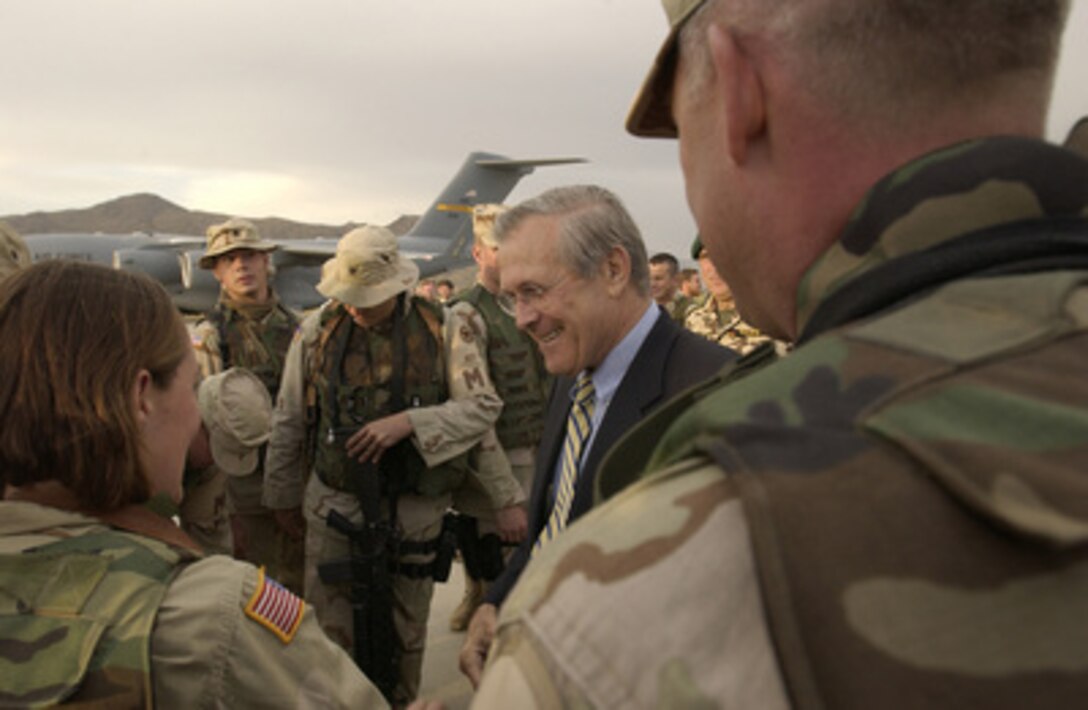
(888,511)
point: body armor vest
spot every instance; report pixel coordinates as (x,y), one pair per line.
(258,346)
(354,383)
(517,372)
(84,609)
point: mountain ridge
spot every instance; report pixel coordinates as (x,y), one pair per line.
(152,214)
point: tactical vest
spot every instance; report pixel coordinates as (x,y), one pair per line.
(259,347)
(353,380)
(517,371)
(80,613)
(943,556)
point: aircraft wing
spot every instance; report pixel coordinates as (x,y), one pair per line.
(440,241)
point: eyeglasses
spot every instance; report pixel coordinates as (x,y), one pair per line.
(527,294)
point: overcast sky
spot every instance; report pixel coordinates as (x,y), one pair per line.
(338,110)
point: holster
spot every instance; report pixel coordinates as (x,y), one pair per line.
(482,555)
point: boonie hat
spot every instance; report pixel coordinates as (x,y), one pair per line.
(651,116)
(236,233)
(483,223)
(237,411)
(367,269)
(14,253)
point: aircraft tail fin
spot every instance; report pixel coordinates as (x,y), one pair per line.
(445,229)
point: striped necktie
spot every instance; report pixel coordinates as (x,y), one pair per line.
(579,425)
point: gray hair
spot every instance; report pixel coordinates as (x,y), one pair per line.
(875,58)
(594,221)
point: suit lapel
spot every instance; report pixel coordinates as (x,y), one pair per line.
(639,390)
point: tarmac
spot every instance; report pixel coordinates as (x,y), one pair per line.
(442,680)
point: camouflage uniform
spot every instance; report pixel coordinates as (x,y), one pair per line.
(911,480)
(138,620)
(678,308)
(464,410)
(256,338)
(517,370)
(723,327)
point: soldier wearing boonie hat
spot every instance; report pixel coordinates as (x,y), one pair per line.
(14,254)
(234,234)
(248,328)
(381,389)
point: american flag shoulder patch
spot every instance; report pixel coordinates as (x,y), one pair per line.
(275,608)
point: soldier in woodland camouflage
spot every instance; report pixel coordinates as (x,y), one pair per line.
(248,328)
(338,405)
(103,602)
(895,515)
(717,318)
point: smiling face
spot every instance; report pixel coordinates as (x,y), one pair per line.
(662,283)
(243,274)
(571,318)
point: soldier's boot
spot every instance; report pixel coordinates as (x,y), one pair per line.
(473,597)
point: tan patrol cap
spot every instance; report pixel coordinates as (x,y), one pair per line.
(237,411)
(367,269)
(14,253)
(483,223)
(651,114)
(235,233)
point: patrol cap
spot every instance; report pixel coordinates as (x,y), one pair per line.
(14,253)
(651,115)
(237,411)
(483,223)
(367,269)
(236,233)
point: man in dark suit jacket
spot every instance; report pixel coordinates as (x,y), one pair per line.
(573,270)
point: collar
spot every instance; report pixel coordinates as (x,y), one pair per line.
(249,311)
(945,195)
(607,377)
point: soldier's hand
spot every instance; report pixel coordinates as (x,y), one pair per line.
(369,443)
(513,524)
(481,630)
(291,522)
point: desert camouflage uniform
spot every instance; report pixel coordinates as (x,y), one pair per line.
(166,629)
(723,327)
(257,339)
(896,515)
(517,370)
(443,433)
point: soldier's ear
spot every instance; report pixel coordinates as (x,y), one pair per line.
(738,82)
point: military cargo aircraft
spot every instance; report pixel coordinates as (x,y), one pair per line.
(440,241)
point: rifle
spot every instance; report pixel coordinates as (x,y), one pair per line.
(375,647)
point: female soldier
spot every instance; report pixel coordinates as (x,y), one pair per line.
(101,600)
